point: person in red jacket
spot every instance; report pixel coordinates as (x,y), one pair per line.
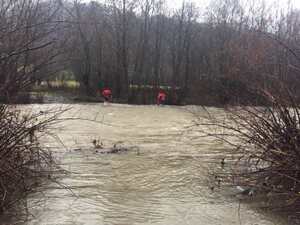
(161,97)
(107,94)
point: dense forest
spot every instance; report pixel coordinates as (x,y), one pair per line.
(221,53)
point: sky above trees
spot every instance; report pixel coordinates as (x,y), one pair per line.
(204,3)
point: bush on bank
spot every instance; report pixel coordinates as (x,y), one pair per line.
(264,156)
(23,162)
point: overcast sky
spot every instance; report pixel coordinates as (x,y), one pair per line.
(204,3)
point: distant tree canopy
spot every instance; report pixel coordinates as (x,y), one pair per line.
(128,42)
(131,42)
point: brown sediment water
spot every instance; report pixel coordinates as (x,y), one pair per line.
(164,182)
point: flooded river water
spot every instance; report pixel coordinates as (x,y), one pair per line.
(164,182)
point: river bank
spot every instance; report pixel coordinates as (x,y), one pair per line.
(213,92)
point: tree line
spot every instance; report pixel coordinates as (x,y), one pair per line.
(214,55)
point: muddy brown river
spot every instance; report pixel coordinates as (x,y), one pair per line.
(161,179)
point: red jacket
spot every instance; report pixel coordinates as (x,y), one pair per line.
(106,92)
(161,97)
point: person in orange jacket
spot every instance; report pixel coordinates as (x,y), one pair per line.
(161,97)
(107,94)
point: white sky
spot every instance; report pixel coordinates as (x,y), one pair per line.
(204,3)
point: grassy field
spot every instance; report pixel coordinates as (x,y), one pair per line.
(57,84)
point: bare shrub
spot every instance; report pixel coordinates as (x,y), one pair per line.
(264,142)
(23,162)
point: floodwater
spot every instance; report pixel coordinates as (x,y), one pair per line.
(160,180)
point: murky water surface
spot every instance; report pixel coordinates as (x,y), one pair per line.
(162,183)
